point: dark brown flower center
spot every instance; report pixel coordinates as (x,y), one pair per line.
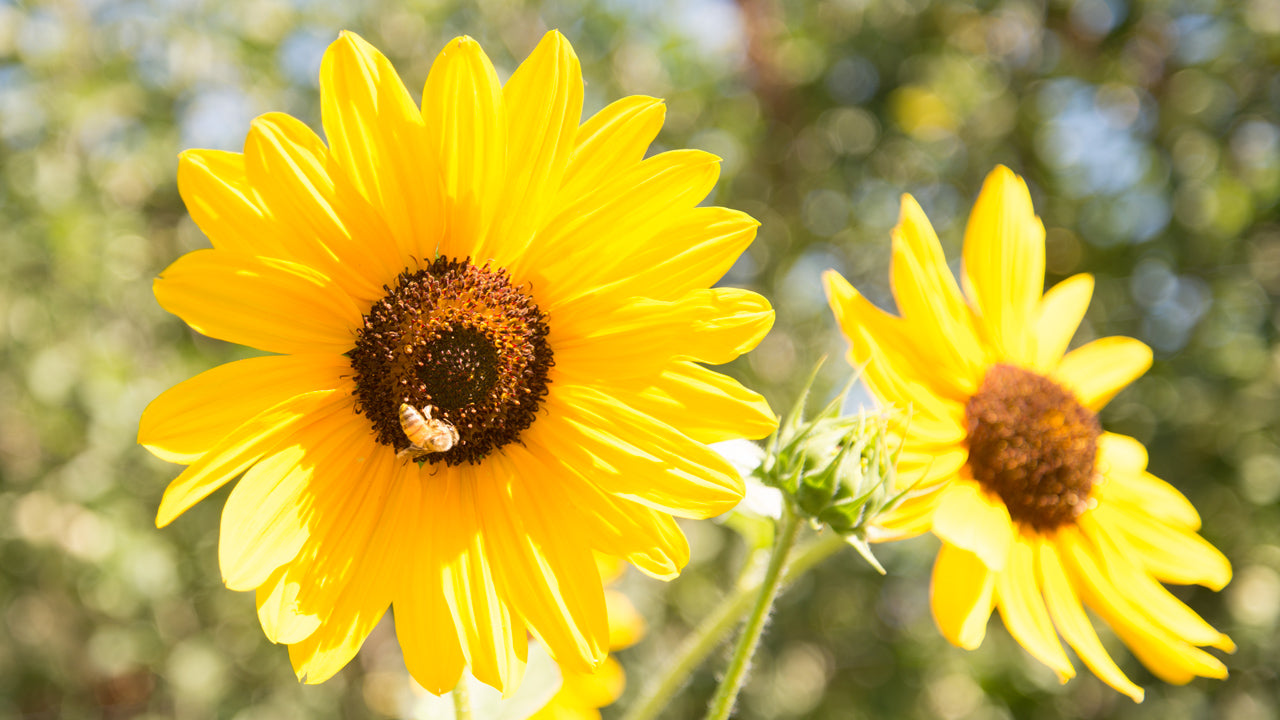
(460,345)
(1032,443)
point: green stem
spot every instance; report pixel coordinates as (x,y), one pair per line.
(461,699)
(657,694)
(727,694)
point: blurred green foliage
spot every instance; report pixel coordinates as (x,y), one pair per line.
(1148,132)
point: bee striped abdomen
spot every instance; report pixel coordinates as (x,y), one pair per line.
(426,434)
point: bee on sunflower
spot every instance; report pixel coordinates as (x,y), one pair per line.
(486,323)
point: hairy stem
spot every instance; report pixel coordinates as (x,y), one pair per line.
(711,632)
(691,653)
(727,693)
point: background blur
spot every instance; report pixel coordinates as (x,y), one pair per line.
(1148,131)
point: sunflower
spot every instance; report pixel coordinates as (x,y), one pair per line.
(485,323)
(1040,513)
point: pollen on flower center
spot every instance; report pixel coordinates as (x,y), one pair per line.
(1032,443)
(461,345)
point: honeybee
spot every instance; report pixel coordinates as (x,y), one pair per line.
(426,434)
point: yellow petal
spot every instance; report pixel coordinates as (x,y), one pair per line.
(581,694)
(696,250)
(714,326)
(1004,264)
(466,123)
(1171,658)
(634,456)
(701,403)
(282,619)
(590,243)
(324,222)
(912,517)
(924,432)
(1057,318)
(961,596)
(270,513)
(1069,617)
(1160,523)
(649,539)
(365,598)
(929,464)
(1122,463)
(900,374)
(614,138)
(216,191)
(1157,603)
(611,568)
(494,639)
(931,304)
(924,471)
(1119,454)
(551,581)
(377,136)
(253,544)
(543,101)
(971,520)
(188,419)
(1023,610)
(693,251)
(269,304)
(426,630)
(626,624)
(351,503)
(1097,371)
(1174,555)
(243,447)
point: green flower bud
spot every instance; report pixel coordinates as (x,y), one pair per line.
(836,471)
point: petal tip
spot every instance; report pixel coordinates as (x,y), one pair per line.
(835,284)
(908,205)
(463,43)
(347,42)
(1225,644)
(166,513)
(561,42)
(1006,183)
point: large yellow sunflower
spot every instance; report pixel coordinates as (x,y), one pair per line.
(1040,513)
(487,321)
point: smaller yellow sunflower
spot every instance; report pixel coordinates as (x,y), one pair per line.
(1039,511)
